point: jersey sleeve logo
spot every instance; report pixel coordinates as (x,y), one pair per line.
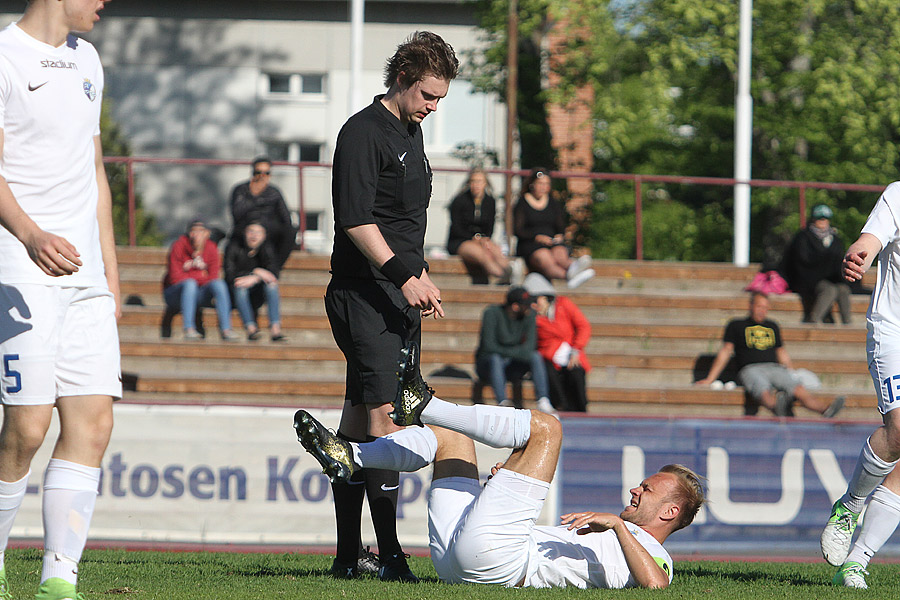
(759,337)
(90,90)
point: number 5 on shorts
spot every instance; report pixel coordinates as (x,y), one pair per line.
(7,372)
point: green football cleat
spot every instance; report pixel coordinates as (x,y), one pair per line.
(413,394)
(57,589)
(851,575)
(333,453)
(838,534)
(5,594)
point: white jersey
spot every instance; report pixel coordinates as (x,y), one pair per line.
(884,224)
(561,558)
(50,113)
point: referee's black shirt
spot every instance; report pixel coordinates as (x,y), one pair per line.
(380,176)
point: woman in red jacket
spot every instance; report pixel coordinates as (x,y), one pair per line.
(192,280)
(563,332)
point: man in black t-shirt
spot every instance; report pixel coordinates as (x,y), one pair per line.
(764,367)
(380,288)
(259,201)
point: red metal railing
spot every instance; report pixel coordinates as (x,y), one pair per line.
(636,179)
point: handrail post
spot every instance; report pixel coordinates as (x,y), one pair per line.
(802,206)
(638,220)
(132,203)
(302,213)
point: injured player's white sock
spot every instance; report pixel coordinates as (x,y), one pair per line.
(406,450)
(882,518)
(497,426)
(869,472)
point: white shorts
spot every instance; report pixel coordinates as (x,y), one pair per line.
(883,354)
(483,535)
(56,342)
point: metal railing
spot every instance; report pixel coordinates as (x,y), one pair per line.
(637,181)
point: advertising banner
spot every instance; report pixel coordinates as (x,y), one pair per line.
(232,475)
(771,484)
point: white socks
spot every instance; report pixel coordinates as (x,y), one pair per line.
(11,494)
(497,426)
(869,472)
(406,450)
(70,492)
(882,518)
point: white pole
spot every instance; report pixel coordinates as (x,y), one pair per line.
(743,139)
(357,18)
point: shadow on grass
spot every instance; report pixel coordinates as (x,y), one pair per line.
(750,576)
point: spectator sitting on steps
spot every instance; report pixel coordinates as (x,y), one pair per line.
(764,367)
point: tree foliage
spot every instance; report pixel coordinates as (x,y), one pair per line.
(663,73)
(115,144)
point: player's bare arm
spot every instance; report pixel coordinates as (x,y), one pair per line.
(53,254)
(368,238)
(105,227)
(718,365)
(647,573)
(859,257)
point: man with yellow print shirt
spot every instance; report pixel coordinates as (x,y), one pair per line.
(764,367)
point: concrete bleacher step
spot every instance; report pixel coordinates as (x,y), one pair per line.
(650,322)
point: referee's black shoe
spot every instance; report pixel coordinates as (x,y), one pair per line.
(413,394)
(341,570)
(333,453)
(395,568)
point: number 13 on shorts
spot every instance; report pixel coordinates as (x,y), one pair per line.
(12,379)
(891,388)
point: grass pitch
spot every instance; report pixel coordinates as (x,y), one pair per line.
(225,576)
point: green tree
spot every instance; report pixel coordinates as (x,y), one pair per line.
(663,74)
(115,144)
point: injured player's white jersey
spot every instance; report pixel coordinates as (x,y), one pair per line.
(561,558)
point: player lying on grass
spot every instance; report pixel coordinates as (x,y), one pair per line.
(487,534)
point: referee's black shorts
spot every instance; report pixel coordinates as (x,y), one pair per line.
(371,322)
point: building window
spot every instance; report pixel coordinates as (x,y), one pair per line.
(312,221)
(309,152)
(312,84)
(279,83)
(278,150)
(298,85)
(294,151)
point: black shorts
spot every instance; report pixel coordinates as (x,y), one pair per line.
(371,322)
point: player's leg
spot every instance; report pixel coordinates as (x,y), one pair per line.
(71,482)
(29,335)
(497,426)
(370,329)
(87,380)
(23,431)
(877,459)
(880,522)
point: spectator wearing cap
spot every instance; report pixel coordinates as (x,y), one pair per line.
(192,281)
(812,268)
(563,332)
(507,348)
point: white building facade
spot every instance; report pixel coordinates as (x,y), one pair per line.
(231,80)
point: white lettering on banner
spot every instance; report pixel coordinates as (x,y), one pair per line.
(224,475)
(829,471)
(755,513)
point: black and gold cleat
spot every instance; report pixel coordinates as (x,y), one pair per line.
(333,453)
(413,394)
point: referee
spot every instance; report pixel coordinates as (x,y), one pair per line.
(380,287)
